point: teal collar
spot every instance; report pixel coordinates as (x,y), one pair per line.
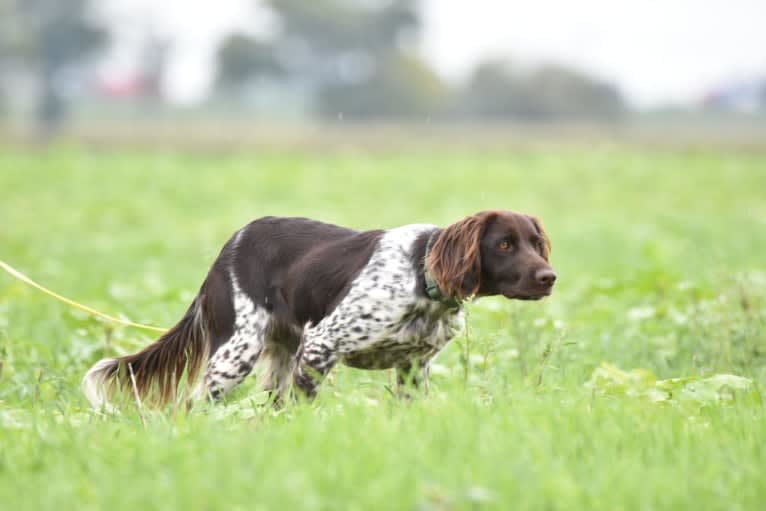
(432,288)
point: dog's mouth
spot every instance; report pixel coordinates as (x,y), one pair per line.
(533,296)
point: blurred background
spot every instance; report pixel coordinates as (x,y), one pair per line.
(249,72)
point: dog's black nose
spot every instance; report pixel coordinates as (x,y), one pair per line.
(545,276)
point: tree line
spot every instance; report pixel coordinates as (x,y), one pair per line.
(359,61)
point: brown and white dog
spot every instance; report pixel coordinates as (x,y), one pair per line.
(306,295)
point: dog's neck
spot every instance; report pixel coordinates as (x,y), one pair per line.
(432,287)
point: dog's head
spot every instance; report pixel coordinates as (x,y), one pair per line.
(493,253)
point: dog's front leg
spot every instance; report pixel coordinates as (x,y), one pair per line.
(316,358)
(411,375)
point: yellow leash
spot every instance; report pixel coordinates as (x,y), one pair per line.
(16,273)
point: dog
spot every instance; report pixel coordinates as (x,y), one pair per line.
(305,295)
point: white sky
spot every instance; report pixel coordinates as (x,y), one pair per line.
(655,51)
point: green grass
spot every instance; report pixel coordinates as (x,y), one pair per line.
(661,266)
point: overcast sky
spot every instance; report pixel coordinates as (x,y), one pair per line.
(655,51)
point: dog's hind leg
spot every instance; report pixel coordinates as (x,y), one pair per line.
(236,357)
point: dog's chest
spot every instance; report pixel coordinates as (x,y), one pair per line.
(417,335)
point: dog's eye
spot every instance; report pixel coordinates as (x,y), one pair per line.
(505,245)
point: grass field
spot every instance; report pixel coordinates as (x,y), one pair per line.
(612,394)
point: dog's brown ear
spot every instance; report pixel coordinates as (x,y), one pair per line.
(546,241)
(455,257)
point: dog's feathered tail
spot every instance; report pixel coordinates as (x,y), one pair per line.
(158,368)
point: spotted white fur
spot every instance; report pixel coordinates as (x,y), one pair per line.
(380,323)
